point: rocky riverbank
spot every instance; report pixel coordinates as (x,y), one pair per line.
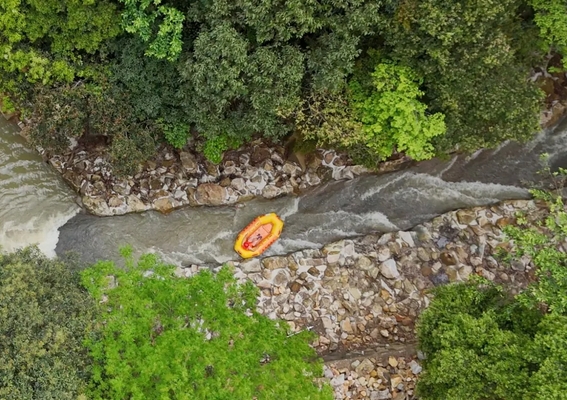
(363,296)
(175,179)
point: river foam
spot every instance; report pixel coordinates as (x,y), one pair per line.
(34,201)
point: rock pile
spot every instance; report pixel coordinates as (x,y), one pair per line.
(175,179)
(366,293)
(374,379)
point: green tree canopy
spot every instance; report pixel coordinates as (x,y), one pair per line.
(45,315)
(192,338)
(470,54)
(44,40)
(482,343)
(244,65)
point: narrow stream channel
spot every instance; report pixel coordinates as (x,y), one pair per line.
(36,206)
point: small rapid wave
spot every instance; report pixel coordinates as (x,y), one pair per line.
(34,201)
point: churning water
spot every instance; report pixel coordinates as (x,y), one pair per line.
(34,201)
(35,204)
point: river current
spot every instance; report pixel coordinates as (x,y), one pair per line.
(37,207)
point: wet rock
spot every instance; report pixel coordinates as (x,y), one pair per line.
(211,194)
(135,204)
(465,217)
(270,192)
(163,205)
(238,184)
(275,262)
(251,266)
(291,169)
(96,205)
(259,155)
(115,201)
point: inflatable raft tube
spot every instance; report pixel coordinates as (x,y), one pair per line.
(275,232)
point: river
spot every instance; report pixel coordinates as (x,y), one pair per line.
(34,200)
(38,208)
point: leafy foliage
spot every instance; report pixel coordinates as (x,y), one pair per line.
(481,343)
(244,64)
(196,338)
(542,244)
(474,350)
(139,17)
(175,134)
(379,115)
(91,110)
(45,315)
(43,41)
(551,18)
(392,116)
(473,65)
(151,84)
(215,147)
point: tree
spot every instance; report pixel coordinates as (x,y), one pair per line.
(244,64)
(551,19)
(45,41)
(393,118)
(196,338)
(45,316)
(482,343)
(471,56)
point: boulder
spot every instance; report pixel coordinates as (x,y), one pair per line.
(210,194)
(163,205)
(389,269)
(96,205)
(188,162)
(135,204)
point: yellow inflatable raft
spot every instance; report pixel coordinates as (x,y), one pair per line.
(258,235)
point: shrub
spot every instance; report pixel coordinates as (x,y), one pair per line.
(215,147)
(45,315)
(175,134)
(197,338)
(131,148)
(84,110)
(328,118)
(58,114)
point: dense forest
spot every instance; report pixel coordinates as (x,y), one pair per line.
(372,78)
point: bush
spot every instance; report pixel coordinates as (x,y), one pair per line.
(196,338)
(45,316)
(58,115)
(175,134)
(214,147)
(86,110)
